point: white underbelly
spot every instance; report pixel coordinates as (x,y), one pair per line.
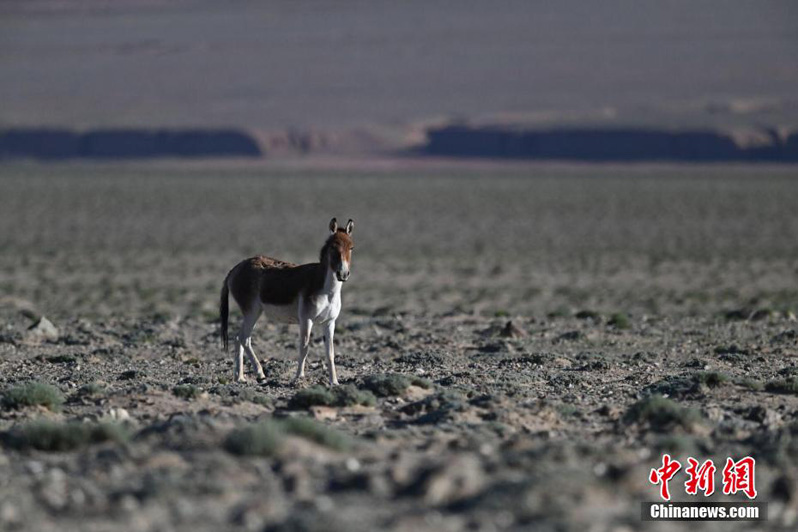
(281,313)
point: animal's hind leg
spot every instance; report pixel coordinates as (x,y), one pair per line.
(245,343)
(238,374)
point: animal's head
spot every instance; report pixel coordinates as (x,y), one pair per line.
(337,252)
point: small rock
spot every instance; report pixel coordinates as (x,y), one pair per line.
(119,414)
(43,330)
(323,412)
(766,416)
(54,489)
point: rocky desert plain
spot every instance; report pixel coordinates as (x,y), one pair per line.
(517,348)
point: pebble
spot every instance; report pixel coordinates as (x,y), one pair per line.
(43,330)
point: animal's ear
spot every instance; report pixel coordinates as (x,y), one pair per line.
(333,225)
(349,226)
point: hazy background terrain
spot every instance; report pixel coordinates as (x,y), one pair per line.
(320,64)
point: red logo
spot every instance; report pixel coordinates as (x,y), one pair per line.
(739,476)
(701,478)
(663,475)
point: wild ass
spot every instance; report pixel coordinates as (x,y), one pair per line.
(288,293)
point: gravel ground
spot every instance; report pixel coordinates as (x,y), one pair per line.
(515,352)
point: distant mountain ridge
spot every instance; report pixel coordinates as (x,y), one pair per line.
(486,141)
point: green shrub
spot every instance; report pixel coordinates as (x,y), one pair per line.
(752,384)
(51,436)
(33,394)
(713,379)
(619,320)
(349,395)
(788,385)
(316,432)
(259,439)
(92,388)
(266,437)
(254,397)
(315,396)
(661,414)
(340,396)
(186,391)
(390,384)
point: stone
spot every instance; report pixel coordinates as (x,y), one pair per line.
(43,330)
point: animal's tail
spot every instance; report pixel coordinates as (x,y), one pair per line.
(224,310)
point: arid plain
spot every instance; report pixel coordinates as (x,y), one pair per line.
(516,348)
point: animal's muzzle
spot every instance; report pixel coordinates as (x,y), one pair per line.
(342,276)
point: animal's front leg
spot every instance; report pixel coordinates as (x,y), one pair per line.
(329,332)
(305,325)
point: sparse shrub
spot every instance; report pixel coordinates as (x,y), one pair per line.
(254,397)
(387,384)
(91,389)
(316,432)
(340,396)
(559,312)
(259,439)
(675,444)
(186,391)
(266,438)
(33,394)
(51,436)
(712,379)
(315,396)
(349,395)
(751,384)
(788,385)
(661,414)
(619,320)
(567,410)
(420,382)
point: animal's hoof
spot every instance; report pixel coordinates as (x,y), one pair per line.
(241,379)
(334,383)
(261,378)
